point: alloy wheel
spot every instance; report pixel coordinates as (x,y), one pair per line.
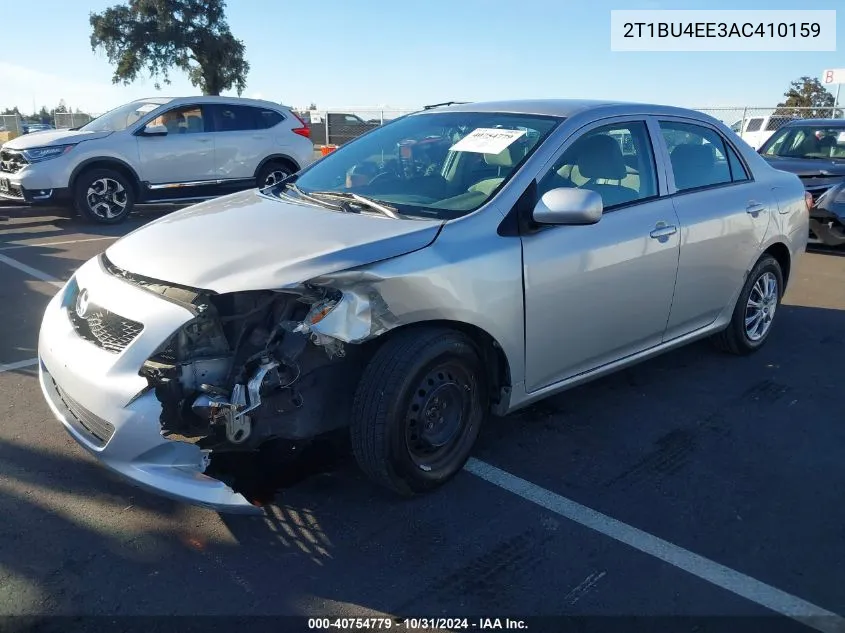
(761,306)
(107,198)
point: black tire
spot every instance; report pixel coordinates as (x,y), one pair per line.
(104,196)
(273,172)
(735,339)
(418,370)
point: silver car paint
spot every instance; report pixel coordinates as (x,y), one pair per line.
(256,243)
(565,305)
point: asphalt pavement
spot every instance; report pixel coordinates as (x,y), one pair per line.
(696,484)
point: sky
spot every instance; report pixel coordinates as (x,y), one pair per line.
(408,53)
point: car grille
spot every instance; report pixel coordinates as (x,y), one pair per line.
(11,162)
(105,329)
(96,426)
(13,192)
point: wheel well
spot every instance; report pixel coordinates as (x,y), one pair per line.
(109,164)
(780,252)
(492,355)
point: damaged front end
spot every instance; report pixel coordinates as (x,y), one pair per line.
(258,366)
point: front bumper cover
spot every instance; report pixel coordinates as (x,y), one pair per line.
(95,395)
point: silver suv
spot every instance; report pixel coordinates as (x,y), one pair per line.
(156,150)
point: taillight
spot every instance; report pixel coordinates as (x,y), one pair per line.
(808,200)
(304,130)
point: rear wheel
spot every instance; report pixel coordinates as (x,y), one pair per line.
(104,196)
(418,410)
(755,309)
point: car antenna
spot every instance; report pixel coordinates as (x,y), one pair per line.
(445,103)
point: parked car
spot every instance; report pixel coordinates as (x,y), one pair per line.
(30,128)
(404,295)
(342,127)
(814,150)
(756,130)
(156,150)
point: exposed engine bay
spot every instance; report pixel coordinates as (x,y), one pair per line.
(254,366)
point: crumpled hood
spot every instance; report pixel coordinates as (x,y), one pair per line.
(52,137)
(247,241)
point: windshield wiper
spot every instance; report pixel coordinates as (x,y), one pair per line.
(314,199)
(385,209)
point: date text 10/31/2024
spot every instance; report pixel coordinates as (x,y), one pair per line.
(417,624)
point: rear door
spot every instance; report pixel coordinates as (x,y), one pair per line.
(242,140)
(724,216)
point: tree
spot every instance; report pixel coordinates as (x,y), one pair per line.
(807,98)
(44,115)
(62,107)
(157,35)
(12,111)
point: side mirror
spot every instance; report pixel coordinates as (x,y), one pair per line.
(155,130)
(567,205)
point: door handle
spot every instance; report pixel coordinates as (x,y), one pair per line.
(203,140)
(755,208)
(662,231)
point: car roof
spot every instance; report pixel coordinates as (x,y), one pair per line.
(568,107)
(816,122)
(203,99)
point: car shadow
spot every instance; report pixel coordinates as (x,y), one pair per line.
(822,249)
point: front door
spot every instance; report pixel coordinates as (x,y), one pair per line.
(597,293)
(184,155)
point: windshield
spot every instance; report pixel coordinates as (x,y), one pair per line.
(120,118)
(807,141)
(440,165)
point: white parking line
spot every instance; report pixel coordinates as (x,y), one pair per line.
(18,365)
(32,272)
(704,568)
(14,245)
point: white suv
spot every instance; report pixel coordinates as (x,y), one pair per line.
(156,150)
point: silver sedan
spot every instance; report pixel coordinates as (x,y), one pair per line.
(463,260)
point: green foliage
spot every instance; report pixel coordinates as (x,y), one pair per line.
(158,35)
(807,98)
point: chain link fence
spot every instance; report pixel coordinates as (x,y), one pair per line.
(11,123)
(336,126)
(67,120)
(756,124)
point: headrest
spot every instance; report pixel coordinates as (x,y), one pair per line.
(502,159)
(600,157)
(694,156)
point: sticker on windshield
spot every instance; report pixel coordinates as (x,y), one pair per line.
(487,140)
(147,107)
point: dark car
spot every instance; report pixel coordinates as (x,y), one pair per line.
(814,150)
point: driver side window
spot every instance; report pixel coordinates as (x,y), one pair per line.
(616,161)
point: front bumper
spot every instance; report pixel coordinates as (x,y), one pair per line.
(94,393)
(43,182)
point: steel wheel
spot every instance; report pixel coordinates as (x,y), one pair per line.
(106,198)
(437,416)
(761,306)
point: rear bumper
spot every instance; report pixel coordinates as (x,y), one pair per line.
(95,395)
